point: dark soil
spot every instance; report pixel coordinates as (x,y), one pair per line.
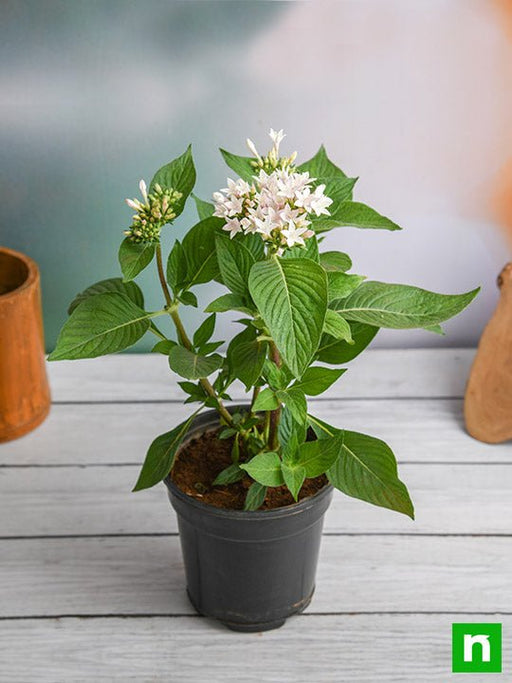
(203,458)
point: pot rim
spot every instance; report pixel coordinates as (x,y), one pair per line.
(32,274)
(255,515)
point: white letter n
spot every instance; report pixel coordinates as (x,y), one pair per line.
(470,640)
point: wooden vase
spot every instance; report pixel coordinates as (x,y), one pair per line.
(488,401)
(24,390)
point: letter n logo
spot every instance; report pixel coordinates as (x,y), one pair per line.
(476,648)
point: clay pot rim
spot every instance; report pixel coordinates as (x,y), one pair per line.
(33,272)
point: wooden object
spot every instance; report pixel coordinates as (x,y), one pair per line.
(91,576)
(488,402)
(24,391)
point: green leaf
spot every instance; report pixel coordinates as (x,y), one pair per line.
(318,456)
(244,167)
(229,475)
(320,166)
(235,263)
(436,329)
(180,175)
(335,261)
(115,284)
(204,331)
(340,285)
(199,249)
(291,296)
(160,456)
(133,258)
(295,400)
(204,209)
(176,267)
(367,470)
(289,430)
(309,250)
(276,377)
(227,302)
(293,476)
(101,324)
(316,380)
(337,327)
(246,356)
(255,496)
(322,429)
(188,299)
(336,352)
(163,346)
(401,306)
(356,215)
(265,468)
(191,365)
(254,243)
(266,400)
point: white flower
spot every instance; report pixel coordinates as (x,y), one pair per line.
(233,227)
(277,205)
(252,148)
(320,201)
(277,137)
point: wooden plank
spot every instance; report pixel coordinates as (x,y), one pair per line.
(455,499)
(144,575)
(376,373)
(323,649)
(417,430)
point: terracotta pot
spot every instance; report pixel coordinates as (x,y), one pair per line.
(24,390)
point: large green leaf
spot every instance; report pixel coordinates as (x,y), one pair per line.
(192,365)
(291,296)
(160,456)
(336,352)
(316,380)
(114,284)
(235,263)
(133,258)
(101,324)
(246,356)
(199,249)
(265,468)
(319,456)
(180,175)
(356,215)
(401,306)
(367,469)
(242,166)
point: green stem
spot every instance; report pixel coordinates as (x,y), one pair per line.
(161,275)
(255,393)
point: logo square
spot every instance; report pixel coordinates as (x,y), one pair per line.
(476,648)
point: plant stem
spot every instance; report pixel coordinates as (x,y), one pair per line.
(161,275)
(172,309)
(275,415)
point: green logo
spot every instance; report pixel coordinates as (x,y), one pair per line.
(476,648)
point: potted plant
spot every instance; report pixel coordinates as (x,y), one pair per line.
(251,483)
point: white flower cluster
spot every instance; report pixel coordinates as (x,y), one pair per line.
(277,205)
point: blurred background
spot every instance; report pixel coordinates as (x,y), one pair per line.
(413,97)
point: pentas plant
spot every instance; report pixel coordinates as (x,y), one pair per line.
(302,311)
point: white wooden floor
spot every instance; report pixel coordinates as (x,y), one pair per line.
(91,577)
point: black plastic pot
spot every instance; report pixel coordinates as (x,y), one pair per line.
(249,570)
